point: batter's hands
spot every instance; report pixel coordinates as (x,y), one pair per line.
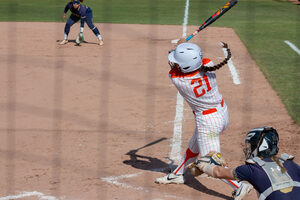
(181,40)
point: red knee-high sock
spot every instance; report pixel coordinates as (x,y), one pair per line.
(188,154)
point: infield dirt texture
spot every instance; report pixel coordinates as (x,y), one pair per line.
(73,118)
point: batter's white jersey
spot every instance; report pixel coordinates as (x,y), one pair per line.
(200,90)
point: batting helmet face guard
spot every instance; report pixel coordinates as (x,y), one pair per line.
(187,56)
(261,142)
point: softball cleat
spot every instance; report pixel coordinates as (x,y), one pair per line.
(63,42)
(101,42)
(170,178)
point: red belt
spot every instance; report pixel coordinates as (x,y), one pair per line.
(212,110)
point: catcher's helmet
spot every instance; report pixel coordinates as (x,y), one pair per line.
(188,56)
(261,142)
(76,2)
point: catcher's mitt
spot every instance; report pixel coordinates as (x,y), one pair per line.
(216,158)
(212,158)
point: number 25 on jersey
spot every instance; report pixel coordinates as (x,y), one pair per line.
(199,81)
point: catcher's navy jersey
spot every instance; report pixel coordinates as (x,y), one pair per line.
(255,175)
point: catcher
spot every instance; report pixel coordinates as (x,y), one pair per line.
(273,177)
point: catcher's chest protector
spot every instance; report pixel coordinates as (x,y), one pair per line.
(279,181)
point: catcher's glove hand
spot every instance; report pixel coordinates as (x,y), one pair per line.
(194,169)
(208,162)
(216,158)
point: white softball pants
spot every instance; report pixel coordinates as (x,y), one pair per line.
(206,138)
(206,135)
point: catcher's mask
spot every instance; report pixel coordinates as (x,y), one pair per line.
(187,57)
(261,142)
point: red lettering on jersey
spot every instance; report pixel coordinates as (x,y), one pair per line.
(196,88)
(207,83)
(199,80)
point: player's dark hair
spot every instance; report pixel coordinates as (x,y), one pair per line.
(221,64)
(276,159)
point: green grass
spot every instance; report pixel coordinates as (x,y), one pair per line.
(262,25)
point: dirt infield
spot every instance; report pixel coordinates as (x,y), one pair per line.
(96,123)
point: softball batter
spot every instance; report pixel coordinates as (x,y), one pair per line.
(195,79)
(83,13)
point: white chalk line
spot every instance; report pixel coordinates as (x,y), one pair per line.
(185,19)
(175,154)
(116,180)
(185,22)
(233,71)
(292,46)
(29,194)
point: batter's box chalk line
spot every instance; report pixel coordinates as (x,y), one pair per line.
(29,194)
(232,69)
(117,180)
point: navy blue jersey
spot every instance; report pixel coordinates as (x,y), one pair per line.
(256,176)
(81,12)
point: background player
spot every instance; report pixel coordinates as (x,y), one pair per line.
(273,178)
(195,79)
(83,13)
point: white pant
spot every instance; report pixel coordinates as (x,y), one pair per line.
(206,138)
(206,135)
(208,129)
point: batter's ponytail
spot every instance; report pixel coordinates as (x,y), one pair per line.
(221,64)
